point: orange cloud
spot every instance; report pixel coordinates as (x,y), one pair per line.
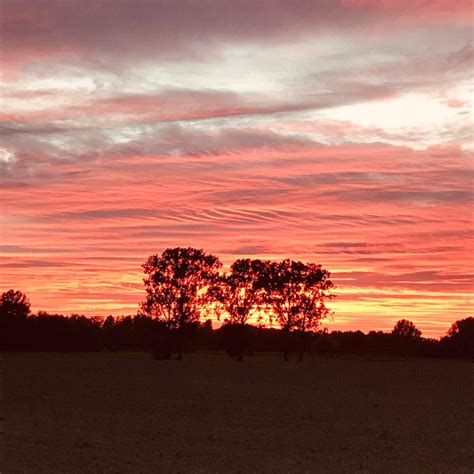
(261,129)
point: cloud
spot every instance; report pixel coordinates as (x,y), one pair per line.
(171,30)
(33,264)
(432,280)
(332,131)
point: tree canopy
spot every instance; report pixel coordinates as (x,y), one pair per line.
(406,329)
(238,292)
(14,305)
(296,293)
(177,284)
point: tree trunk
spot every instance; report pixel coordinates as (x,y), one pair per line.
(179,343)
(302,346)
(240,342)
(286,344)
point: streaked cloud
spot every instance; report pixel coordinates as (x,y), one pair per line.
(335,131)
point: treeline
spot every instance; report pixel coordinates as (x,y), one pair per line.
(185,285)
(22,331)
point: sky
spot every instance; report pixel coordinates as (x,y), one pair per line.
(336,132)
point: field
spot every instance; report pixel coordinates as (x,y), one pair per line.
(99,413)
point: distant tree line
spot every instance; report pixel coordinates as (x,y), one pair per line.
(22,331)
(184,287)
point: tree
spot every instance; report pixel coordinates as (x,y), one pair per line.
(238,293)
(296,293)
(405,338)
(177,285)
(406,329)
(14,305)
(14,310)
(461,338)
(463,328)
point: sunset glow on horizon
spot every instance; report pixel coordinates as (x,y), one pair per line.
(333,132)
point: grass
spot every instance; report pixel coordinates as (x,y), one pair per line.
(99,413)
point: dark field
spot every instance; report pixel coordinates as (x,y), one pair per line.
(94,413)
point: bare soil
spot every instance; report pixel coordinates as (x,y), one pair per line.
(127,413)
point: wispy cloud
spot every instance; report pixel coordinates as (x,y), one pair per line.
(335,131)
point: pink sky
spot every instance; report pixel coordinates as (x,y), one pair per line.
(336,132)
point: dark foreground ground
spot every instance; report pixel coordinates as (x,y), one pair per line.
(95,413)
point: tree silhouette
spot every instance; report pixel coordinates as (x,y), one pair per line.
(177,285)
(296,294)
(405,338)
(461,338)
(14,305)
(14,310)
(238,293)
(406,329)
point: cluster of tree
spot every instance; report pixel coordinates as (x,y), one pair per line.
(184,284)
(22,331)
